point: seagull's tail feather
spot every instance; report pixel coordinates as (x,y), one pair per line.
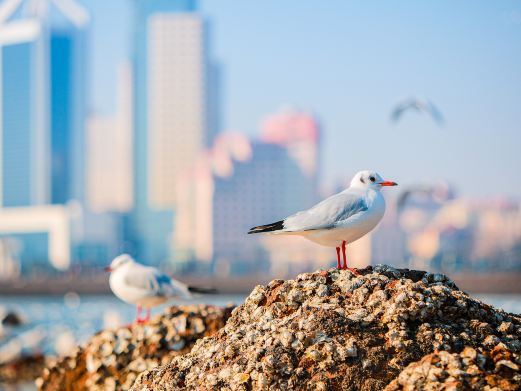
(267,228)
(205,291)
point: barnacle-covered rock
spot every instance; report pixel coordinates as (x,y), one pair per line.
(333,330)
(472,369)
(112,359)
(21,370)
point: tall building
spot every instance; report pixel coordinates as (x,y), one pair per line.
(237,184)
(175,115)
(109,177)
(109,152)
(265,189)
(42,108)
(42,103)
(299,133)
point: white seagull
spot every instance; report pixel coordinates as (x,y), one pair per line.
(419,105)
(145,286)
(339,219)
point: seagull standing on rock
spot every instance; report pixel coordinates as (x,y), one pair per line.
(145,286)
(339,219)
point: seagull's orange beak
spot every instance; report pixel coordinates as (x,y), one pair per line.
(108,269)
(388,183)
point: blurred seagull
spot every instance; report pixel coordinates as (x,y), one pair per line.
(339,219)
(145,286)
(419,105)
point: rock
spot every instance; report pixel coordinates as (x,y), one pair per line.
(112,359)
(333,330)
(12,319)
(21,370)
(21,360)
(469,370)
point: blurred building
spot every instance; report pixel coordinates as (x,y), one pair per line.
(9,265)
(109,177)
(237,184)
(386,244)
(177,117)
(454,234)
(299,133)
(43,102)
(42,109)
(176,114)
(109,153)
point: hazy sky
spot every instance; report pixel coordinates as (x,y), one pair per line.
(350,62)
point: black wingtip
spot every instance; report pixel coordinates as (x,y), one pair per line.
(267,228)
(206,291)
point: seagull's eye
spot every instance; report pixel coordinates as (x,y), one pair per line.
(372,179)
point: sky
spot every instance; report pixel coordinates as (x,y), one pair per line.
(349,63)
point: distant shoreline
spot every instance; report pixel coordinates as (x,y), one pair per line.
(503,282)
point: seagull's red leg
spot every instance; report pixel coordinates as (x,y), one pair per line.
(138,314)
(351,269)
(338,258)
(344,254)
(148,315)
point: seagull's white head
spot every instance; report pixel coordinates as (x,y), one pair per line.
(120,260)
(370,180)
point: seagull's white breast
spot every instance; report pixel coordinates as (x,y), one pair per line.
(132,294)
(354,227)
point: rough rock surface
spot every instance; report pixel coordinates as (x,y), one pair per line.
(333,330)
(21,360)
(22,370)
(112,359)
(472,369)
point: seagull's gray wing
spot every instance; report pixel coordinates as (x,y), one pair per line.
(152,280)
(400,108)
(328,213)
(436,114)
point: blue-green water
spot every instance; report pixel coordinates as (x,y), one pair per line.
(60,318)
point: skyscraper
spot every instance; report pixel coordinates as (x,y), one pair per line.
(109,176)
(298,132)
(177,108)
(23,121)
(41,103)
(235,185)
(42,107)
(109,152)
(173,121)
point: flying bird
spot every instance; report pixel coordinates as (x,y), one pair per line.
(339,219)
(418,105)
(145,286)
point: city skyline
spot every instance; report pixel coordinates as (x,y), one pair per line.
(466,61)
(160,177)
